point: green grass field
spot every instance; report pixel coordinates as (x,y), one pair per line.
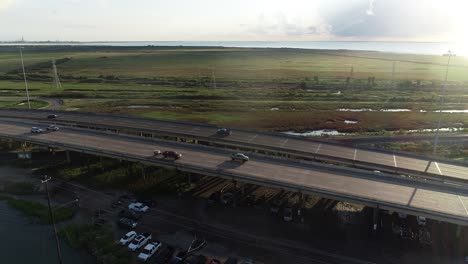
(275,89)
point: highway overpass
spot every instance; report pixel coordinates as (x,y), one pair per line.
(433,200)
(290,146)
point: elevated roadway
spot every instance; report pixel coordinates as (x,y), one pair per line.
(398,163)
(441,202)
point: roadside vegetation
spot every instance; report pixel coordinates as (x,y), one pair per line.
(98,241)
(270,89)
(454,150)
(38,211)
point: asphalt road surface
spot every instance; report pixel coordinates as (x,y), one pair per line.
(264,139)
(416,199)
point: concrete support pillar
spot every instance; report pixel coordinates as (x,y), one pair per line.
(143,171)
(375,219)
(189,179)
(458,231)
(67,152)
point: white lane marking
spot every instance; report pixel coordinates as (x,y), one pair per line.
(250,140)
(355,152)
(461,201)
(394,161)
(318,148)
(438,168)
(284,142)
(194,129)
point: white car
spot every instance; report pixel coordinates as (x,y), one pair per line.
(127,238)
(149,251)
(53,128)
(139,241)
(421,220)
(239,157)
(36,130)
(138,207)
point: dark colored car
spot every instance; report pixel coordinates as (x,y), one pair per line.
(164,256)
(171,154)
(231,261)
(52,116)
(130,214)
(128,223)
(223,132)
(214,197)
(196,259)
(179,257)
(116,204)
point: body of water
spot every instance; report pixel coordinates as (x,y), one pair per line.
(434,48)
(26,242)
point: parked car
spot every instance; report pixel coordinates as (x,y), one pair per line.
(156,152)
(196,259)
(275,206)
(215,261)
(179,257)
(130,214)
(147,202)
(116,204)
(125,222)
(171,154)
(223,132)
(214,197)
(227,198)
(128,238)
(421,220)
(53,128)
(52,116)
(139,241)
(164,256)
(149,251)
(36,130)
(239,157)
(138,207)
(288,214)
(231,260)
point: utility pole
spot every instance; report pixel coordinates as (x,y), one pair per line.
(59,254)
(24,76)
(58,85)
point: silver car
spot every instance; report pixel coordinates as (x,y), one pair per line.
(36,130)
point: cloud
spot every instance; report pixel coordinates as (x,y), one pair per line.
(4,4)
(370,9)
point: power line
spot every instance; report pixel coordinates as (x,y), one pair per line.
(59,254)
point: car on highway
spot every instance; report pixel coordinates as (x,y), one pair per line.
(171,154)
(223,132)
(288,214)
(130,214)
(139,241)
(53,128)
(128,223)
(52,116)
(164,256)
(128,238)
(157,152)
(36,130)
(138,207)
(149,250)
(239,157)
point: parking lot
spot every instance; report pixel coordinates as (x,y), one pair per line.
(273,226)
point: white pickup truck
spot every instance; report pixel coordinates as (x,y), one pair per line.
(149,251)
(139,241)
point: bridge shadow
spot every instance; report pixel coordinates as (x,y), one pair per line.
(229,164)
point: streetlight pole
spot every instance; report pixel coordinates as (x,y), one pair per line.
(59,254)
(24,76)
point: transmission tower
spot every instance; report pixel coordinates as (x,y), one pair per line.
(58,85)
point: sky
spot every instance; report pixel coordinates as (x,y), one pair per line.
(234,20)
